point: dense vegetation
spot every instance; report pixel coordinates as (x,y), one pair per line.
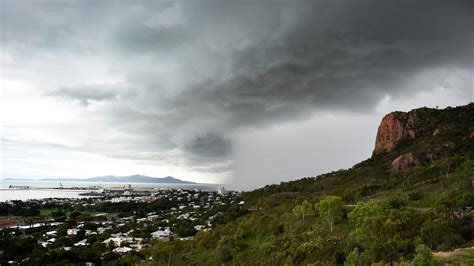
(358,216)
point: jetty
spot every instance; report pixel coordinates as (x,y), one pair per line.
(18,187)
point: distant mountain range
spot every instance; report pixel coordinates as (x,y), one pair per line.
(121,179)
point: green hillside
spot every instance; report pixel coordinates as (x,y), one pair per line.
(363,215)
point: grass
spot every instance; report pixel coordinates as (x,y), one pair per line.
(48,213)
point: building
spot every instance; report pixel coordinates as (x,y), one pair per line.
(161,234)
(72,232)
(152,218)
(199,227)
(221,190)
(52,233)
(121,250)
(120,199)
(81,243)
(117,241)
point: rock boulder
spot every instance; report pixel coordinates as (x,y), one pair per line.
(404,161)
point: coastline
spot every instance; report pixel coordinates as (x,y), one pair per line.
(39,189)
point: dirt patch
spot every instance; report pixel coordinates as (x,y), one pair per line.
(450,253)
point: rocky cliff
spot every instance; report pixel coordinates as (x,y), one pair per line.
(395,127)
(428,135)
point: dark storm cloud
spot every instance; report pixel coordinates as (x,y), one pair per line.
(344,55)
(209,146)
(143,40)
(203,69)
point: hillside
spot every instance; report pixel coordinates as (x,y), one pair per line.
(413,197)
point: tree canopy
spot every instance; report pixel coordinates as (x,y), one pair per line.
(331,210)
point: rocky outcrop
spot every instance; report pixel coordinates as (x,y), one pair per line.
(394,127)
(471,134)
(404,161)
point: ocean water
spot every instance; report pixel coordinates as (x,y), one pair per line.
(14,194)
(44,189)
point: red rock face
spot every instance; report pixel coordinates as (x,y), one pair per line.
(471,135)
(394,127)
(403,162)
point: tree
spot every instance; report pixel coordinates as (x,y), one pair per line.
(75,214)
(384,234)
(423,256)
(303,209)
(367,209)
(353,258)
(226,248)
(331,209)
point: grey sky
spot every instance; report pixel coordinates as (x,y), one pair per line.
(241,92)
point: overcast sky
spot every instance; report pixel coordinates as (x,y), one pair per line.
(237,92)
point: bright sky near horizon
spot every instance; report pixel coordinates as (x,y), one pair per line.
(245,93)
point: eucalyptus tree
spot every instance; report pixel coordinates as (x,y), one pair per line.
(330,209)
(303,209)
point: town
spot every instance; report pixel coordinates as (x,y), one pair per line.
(107,224)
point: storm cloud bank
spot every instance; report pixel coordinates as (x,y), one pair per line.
(178,81)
